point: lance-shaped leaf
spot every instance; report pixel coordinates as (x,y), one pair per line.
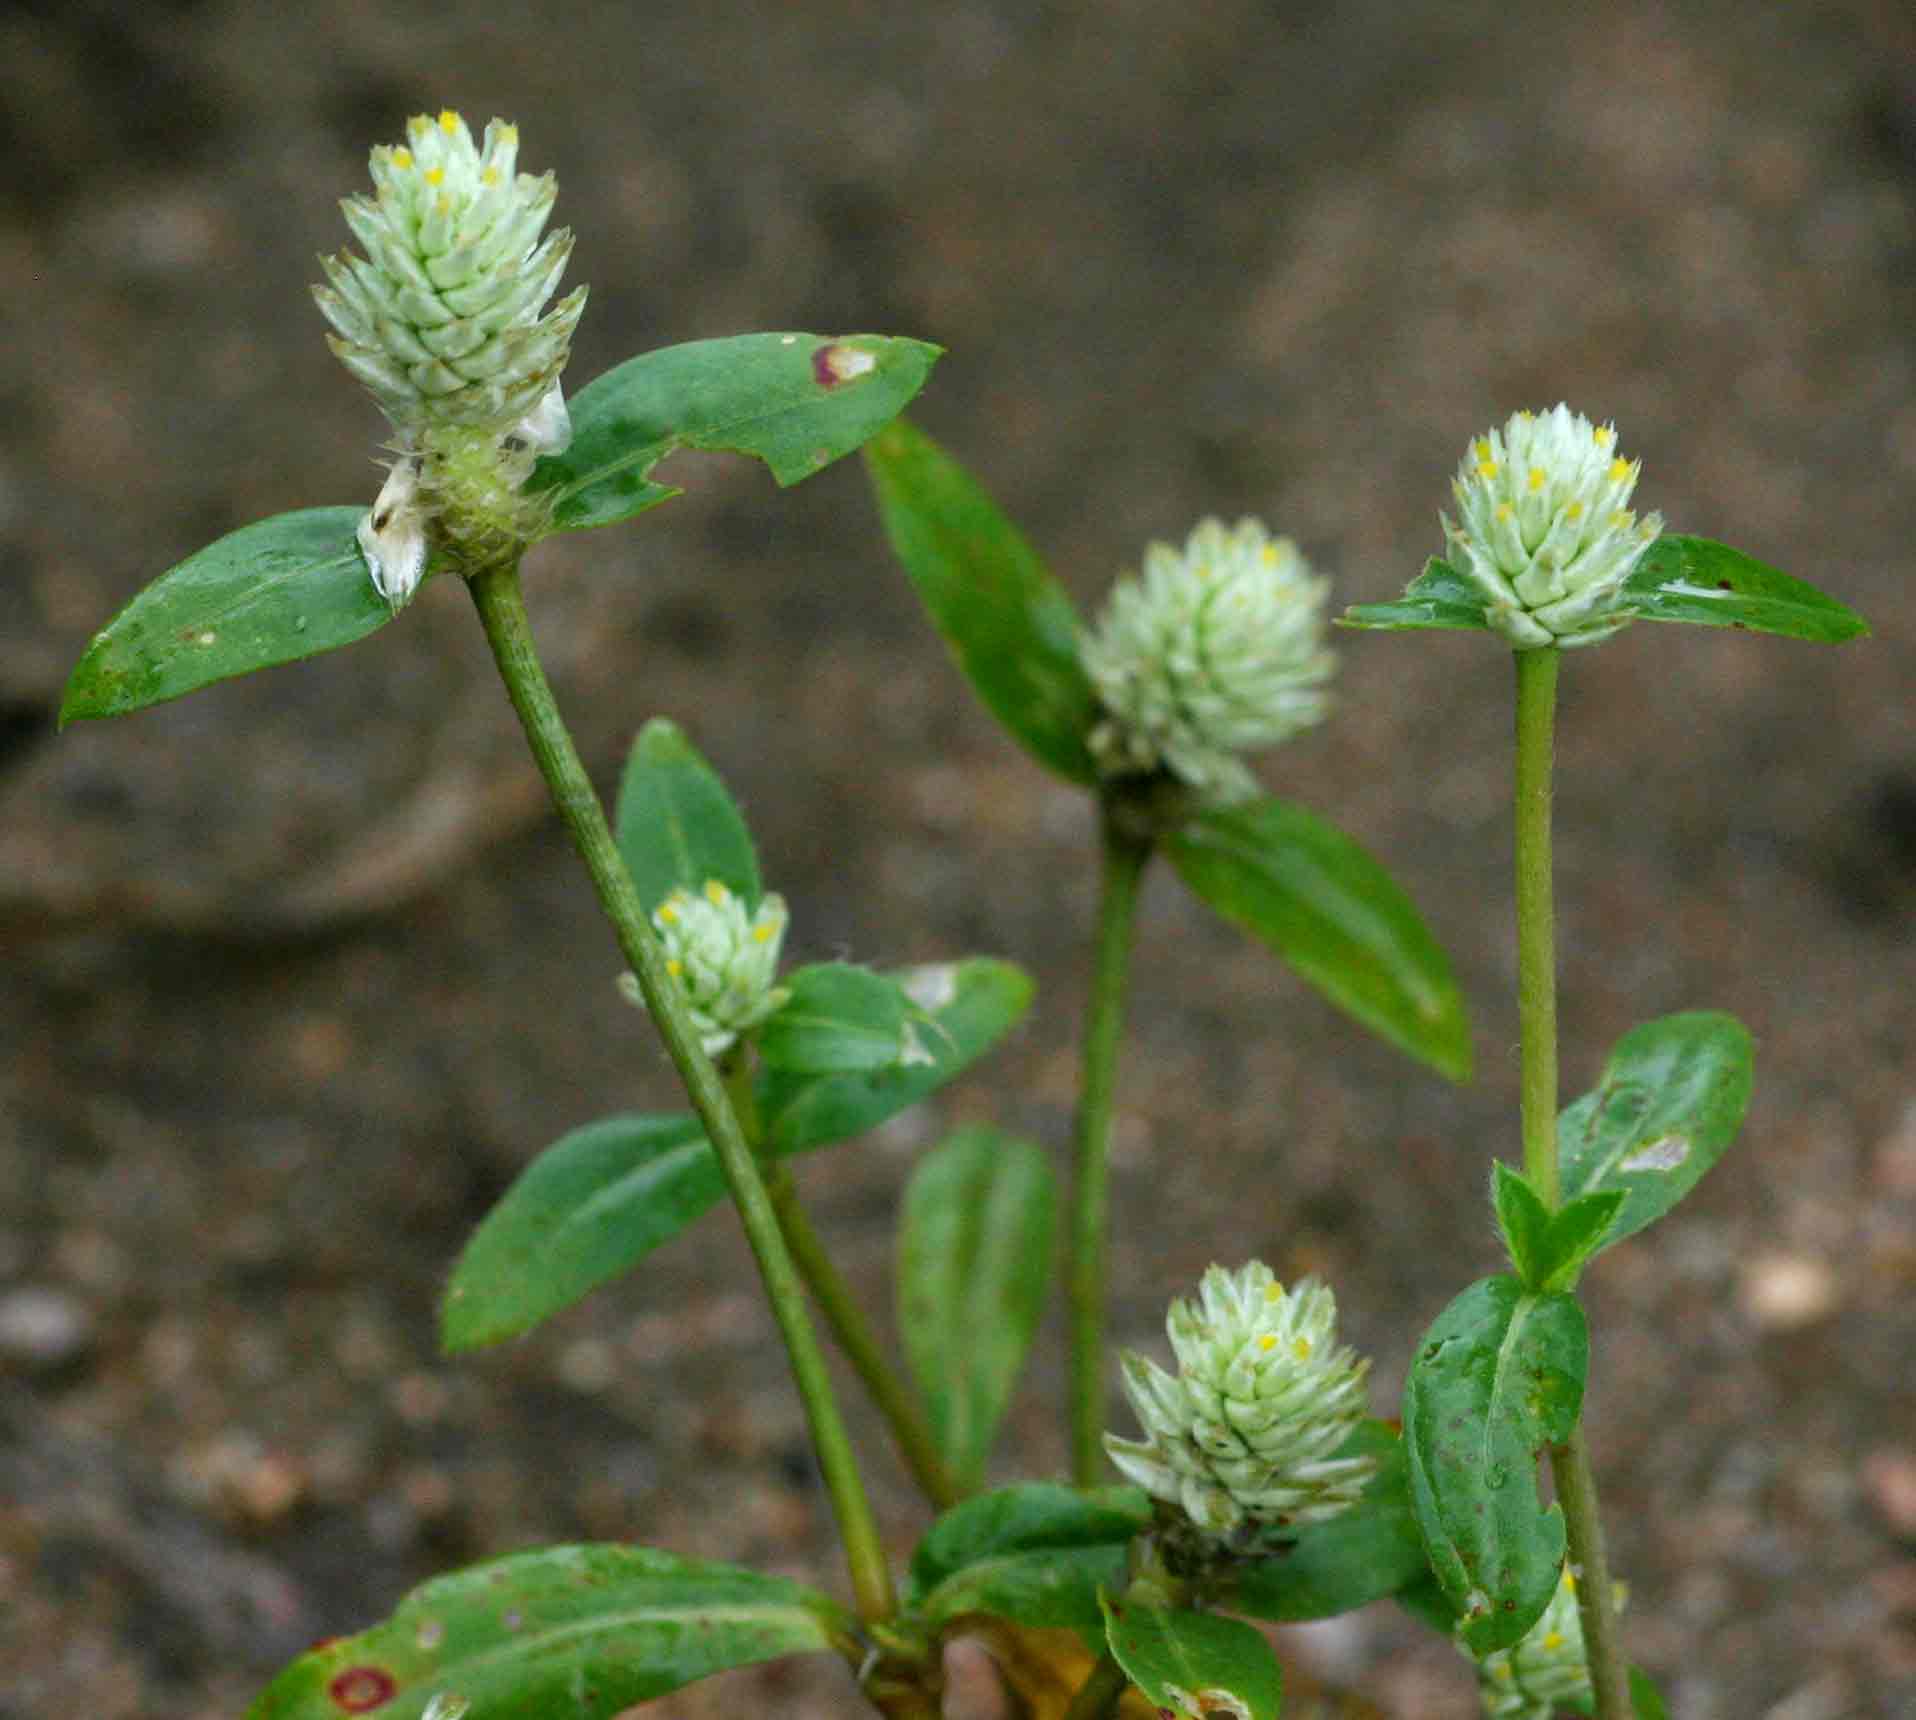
(596,1202)
(971,1004)
(272,592)
(1440,596)
(1499,1376)
(1361,1555)
(1693,579)
(1645,1698)
(974,1262)
(564,1633)
(588,1208)
(1313,896)
(1034,1516)
(795,401)
(842,1019)
(1670,1103)
(1195,1665)
(1547,1248)
(677,825)
(1009,624)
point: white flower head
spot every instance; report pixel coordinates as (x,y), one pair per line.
(441,319)
(1218,648)
(1547,1670)
(1243,1435)
(725,957)
(1544,528)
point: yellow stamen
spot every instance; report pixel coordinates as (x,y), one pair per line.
(1505,512)
(669,914)
(1302,1349)
(716,893)
(448,121)
(1536,478)
(1619,469)
(1483,447)
(402,157)
(1603,435)
(1574,511)
(1273,1292)
(674,966)
(1553,1641)
(1267,1343)
(435,176)
(1486,468)
(490,176)
(763,934)
(1503,1670)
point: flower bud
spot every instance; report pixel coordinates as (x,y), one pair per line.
(725,958)
(1217,649)
(1544,530)
(1243,1435)
(1547,1670)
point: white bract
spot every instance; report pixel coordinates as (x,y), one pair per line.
(1243,1435)
(724,957)
(444,321)
(1544,529)
(1218,648)
(1547,1670)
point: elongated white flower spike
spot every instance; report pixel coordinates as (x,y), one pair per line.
(1544,529)
(725,958)
(1217,649)
(1242,1436)
(444,320)
(1548,1670)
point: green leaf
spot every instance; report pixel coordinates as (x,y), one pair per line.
(1009,624)
(795,401)
(1035,1516)
(1440,596)
(839,1020)
(588,1208)
(1645,1698)
(1310,894)
(1499,1376)
(1693,579)
(1549,1249)
(971,1004)
(1193,1665)
(564,1633)
(1578,1230)
(272,592)
(1046,1588)
(974,1262)
(1670,1103)
(1425,1601)
(677,827)
(1523,1219)
(1359,1556)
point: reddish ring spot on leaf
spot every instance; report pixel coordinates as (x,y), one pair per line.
(360,1689)
(834,363)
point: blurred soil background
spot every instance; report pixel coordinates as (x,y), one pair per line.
(300,972)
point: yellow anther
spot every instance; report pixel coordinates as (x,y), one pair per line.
(674,966)
(1505,512)
(1570,1582)
(1526,415)
(763,934)
(716,893)
(1503,1670)
(508,134)
(435,176)
(448,121)
(402,157)
(1622,520)
(1619,469)
(1302,1349)
(1486,468)
(1273,1292)
(1553,1641)
(1574,511)
(1536,478)
(1267,1343)
(669,914)
(490,176)
(1483,447)
(1603,435)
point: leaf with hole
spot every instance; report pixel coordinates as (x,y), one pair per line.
(273,592)
(564,1633)
(1692,579)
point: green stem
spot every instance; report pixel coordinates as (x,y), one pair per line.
(502,612)
(1536,917)
(1098,1696)
(1125,858)
(846,1321)
(1537,1008)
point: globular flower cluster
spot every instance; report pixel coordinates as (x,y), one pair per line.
(1545,1672)
(444,320)
(1242,1437)
(1544,529)
(725,957)
(1218,648)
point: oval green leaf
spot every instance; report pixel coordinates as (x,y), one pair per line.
(795,401)
(1440,596)
(1317,899)
(971,1005)
(564,1633)
(587,1209)
(1035,1516)
(272,592)
(1670,1103)
(1498,1377)
(1045,1588)
(1710,584)
(841,1019)
(1361,1555)
(678,828)
(1010,626)
(974,1262)
(1195,1665)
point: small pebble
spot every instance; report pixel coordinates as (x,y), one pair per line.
(43,1328)
(1786,1292)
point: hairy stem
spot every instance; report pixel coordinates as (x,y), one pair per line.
(502,612)
(1537,1008)
(1125,858)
